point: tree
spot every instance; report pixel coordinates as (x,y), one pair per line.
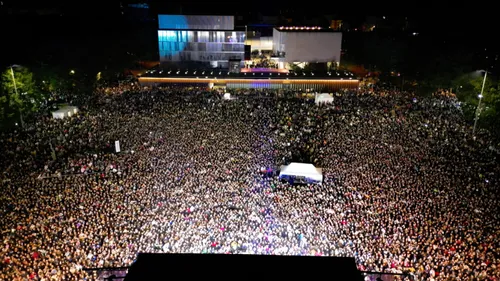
(19,93)
(469,86)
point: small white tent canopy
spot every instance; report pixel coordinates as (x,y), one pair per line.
(301,171)
(323,98)
(228,96)
(65,111)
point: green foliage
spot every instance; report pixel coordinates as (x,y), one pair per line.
(20,94)
(467,88)
(3,102)
(63,81)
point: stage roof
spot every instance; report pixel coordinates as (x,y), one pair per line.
(224,74)
(302,169)
(304,29)
(237,267)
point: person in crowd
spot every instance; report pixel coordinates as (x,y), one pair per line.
(406,189)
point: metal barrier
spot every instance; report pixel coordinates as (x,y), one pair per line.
(384,276)
(109,273)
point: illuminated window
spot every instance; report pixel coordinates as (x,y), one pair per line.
(190,36)
(203,36)
(171,36)
(219,36)
(183,36)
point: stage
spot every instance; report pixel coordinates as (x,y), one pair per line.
(234,267)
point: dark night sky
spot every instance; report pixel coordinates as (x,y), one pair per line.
(86,21)
(464,21)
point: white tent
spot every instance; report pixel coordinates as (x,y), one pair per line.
(65,111)
(323,98)
(301,172)
(227,96)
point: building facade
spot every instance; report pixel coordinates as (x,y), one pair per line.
(307,44)
(204,39)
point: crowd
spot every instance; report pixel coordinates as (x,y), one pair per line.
(406,188)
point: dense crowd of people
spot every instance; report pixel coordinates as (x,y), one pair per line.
(406,189)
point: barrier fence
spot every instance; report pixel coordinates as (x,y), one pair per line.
(379,276)
(109,274)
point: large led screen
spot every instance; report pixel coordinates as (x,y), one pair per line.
(196,22)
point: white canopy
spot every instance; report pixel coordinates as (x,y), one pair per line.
(323,98)
(227,96)
(302,170)
(65,111)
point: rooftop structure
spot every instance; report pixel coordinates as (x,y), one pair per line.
(214,73)
(302,28)
(290,80)
(186,22)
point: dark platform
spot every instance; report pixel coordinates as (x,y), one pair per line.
(153,267)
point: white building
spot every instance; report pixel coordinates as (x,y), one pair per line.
(205,39)
(307,44)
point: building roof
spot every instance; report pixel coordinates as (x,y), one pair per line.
(304,29)
(195,22)
(302,169)
(223,74)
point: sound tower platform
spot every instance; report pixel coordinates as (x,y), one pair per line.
(154,267)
